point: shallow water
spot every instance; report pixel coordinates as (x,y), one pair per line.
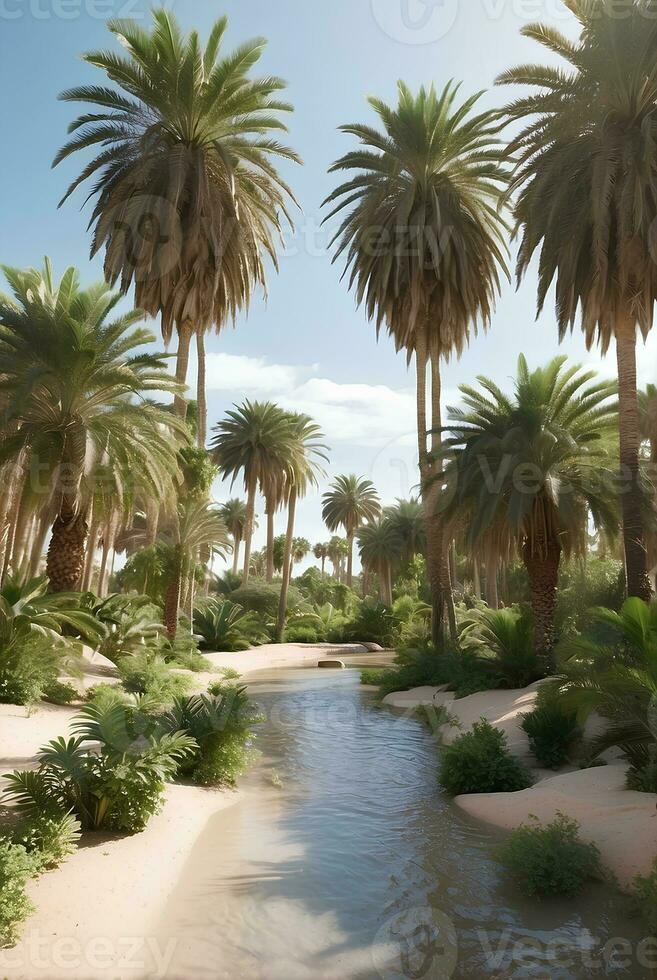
(345,860)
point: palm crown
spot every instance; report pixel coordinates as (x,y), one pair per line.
(187,197)
(348,503)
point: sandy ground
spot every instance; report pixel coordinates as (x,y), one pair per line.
(97,913)
(623,824)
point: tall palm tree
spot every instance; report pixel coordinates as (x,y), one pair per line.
(337,554)
(586,201)
(529,469)
(380,547)
(76,384)
(321,553)
(348,503)
(424,245)
(187,199)
(197,525)
(407,518)
(304,468)
(251,441)
(234,513)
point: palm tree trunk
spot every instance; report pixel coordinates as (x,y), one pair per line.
(10,475)
(287,566)
(350,558)
(270,544)
(636,564)
(172,597)
(92,544)
(236,552)
(476,576)
(434,547)
(492,595)
(323,565)
(24,523)
(109,537)
(201,399)
(248,530)
(542,566)
(444,547)
(38,544)
(182,366)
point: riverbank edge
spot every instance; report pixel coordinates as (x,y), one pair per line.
(620,822)
(96,915)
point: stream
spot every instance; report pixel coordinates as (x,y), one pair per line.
(343,859)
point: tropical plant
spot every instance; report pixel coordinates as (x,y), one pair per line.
(424,243)
(225,626)
(407,519)
(16,868)
(584,199)
(117,786)
(373,622)
(612,670)
(253,441)
(526,471)
(380,549)
(480,762)
(75,394)
(131,623)
(321,553)
(148,673)
(234,514)
(348,503)
(188,200)
(552,732)
(302,471)
(504,637)
(551,859)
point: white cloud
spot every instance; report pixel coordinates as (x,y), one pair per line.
(251,375)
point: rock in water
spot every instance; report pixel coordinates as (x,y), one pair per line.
(332,664)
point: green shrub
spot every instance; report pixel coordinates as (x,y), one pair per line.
(225,626)
(50,836)
(302,634)
(551,859)
(110,774)
(552,731)
(587,585)
(60,692)
(221,724)
(16,867)
(645,894)
(503,639)
(480,762)
(148,673)
(643,779)
(30,670)
(374,622)
(374,676)
(260,597)
(463,672)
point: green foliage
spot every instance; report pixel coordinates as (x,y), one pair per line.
(584,585)
(221,724)
(373,622)
(551,859)
(461,671)
(148,572)
(60,692)
(260,597)
(148,673)
(480,762)
(225,626)
(50,836)
(504,639)
(303,634)
(29,671)
(553,730)
(132,622)
(182,652)
(16,867)
(645,894)
(115,783)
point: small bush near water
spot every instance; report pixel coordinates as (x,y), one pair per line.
(552,728)
(480,762)
(551,859)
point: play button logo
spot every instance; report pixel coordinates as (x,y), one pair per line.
(415,21)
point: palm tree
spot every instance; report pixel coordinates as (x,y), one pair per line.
(321,553)
(74,383)
(251,441)
(196,525)
(585,200)
(348,503)
(234,513)
(424,243)
(527,470)
(300,549)
(337,553)
(648,419)
(303,471)
(380,547)
(407,518)
(187,200)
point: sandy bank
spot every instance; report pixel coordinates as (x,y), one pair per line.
(96,915)
(621,823)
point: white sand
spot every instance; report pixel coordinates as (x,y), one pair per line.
(96,914)
(621,823)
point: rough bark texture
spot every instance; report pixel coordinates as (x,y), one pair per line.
(542,566)
(270,543)
(248,531)
(182,365)
(66,551)
(636,562)
(350,559)
(236,552)
(287,566)
(201,400)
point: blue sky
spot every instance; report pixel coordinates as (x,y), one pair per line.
(308,346)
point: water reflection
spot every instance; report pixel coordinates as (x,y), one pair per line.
(358,867)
